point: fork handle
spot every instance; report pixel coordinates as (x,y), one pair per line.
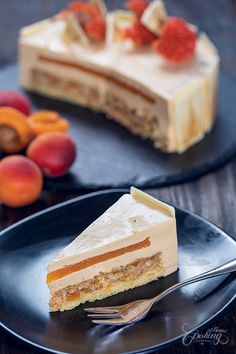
(228,267)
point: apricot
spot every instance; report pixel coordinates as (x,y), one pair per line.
(15,131)
(54,153)
(43,122)
(21,181)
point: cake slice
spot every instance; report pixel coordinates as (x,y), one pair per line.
(133,243)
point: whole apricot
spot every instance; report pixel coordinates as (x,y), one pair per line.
(14,99)
(21,181)
(54,153)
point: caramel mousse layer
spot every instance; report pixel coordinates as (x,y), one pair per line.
(98,74)
(60,273)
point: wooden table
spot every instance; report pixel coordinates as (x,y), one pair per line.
(213,196)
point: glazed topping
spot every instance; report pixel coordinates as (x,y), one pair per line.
(147,25)
(90,18)
(177,41)
(137,6)
(139,34)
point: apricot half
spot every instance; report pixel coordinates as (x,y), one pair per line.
(15,131)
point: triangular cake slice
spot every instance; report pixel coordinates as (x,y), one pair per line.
(133,243)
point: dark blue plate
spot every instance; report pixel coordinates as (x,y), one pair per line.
(26,248)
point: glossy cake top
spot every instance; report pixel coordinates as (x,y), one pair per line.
(131,214)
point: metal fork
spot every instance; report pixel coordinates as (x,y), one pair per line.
(136,310)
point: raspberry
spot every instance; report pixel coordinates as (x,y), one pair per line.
(139,34)
(15,100)
(78,5)
(177,41)
(96,29)
(137,6)
(84,8)
(90,19)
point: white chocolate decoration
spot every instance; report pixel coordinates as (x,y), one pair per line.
(154,16)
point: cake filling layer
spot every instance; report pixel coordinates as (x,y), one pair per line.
(106,284)
(98,74)
(140,121)
(60,273)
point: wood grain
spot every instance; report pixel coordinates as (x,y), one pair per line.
(213,196)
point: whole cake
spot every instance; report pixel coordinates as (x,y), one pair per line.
(154,74)
(133,243)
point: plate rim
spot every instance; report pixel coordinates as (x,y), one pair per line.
(94,194)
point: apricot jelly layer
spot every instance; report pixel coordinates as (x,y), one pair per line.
(60,273)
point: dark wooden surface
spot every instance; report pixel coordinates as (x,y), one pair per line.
(213,196)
